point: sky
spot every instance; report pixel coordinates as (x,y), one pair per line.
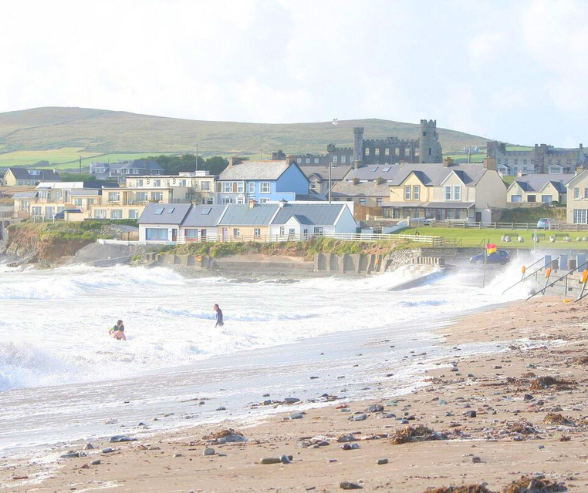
(511,71)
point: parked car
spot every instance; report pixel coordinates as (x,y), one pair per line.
(61,215)
(498,257)
(544,223)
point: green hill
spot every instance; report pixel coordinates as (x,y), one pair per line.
(62,135)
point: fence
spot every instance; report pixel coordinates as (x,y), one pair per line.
(504,225)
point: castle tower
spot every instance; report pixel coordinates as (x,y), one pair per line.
(357,147)
(429,148)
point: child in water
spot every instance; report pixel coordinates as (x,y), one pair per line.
(118,331)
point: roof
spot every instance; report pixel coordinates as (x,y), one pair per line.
(43,174)
(255,170)
(337,172)
(204,215)
(22,195)
(434,174)
(318,214)
(84,192)
(373,171)
(258,215)
(164,213)
(365,189)
(432,205)
(536,182)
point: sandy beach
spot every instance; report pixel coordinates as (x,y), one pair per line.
(485,421)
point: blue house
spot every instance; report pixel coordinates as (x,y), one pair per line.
(261,181)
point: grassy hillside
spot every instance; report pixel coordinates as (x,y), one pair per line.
(62,135)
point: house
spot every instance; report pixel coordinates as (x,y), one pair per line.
(196,187)
(446,191)
(307,220)
(538,189)
(248,222)
(26,177)
(201,223)
(367,185)
(161,222)
(261,181)
(318,177)
(121,169)
(577,200)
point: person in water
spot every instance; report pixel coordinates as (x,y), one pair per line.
(118,331)
(219,316)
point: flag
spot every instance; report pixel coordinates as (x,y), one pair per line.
(490,248)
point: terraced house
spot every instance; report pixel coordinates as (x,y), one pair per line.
(577,207)
(538,189)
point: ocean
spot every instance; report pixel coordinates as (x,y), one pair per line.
(62,378)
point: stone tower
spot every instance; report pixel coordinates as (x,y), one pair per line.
(357,147)
(429,148)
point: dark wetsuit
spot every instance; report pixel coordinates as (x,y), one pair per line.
(219,318)
(116,327)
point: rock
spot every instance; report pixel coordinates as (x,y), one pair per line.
(284,459)
(471,414)
(178,455)
(382,461)
(208,451)
(350,446)
(476,460)
(291,400)
(358,417)
(348,437)
(347,485)
(96,462)
(107,450)
(270,460)
(528,397)
(70,455)
(89,446)
(121,438)
(222,408)
(442,402)
(296,416)
(375,408)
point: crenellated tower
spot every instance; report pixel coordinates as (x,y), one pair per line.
(429,147)
(357,147)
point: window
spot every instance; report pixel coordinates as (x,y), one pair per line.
(157,234)
(282,232)
(227,187)
(240,200)
(379,202)
(182,183)
(334,159)
(251,187)
(387,151)
(171,210)
(156,183)
(191,234)
(361,201)
(205,212)
(377,151)
(139,183)
(386,169)
(264,187)
(299,160)
(159,211)
(263,201)
(205,185)
(447,193)
(236,232)
(580,216)
(133,214)
(524,161)
(546,199)
(36,211)
(407,192)
(343,159)
(307,160)
(90,202)
(116,214)
(227,200)
(576,193)
(316,160)
(141,196)
(516,161)
(257,232)
(100,213)
(367,151)
(531,198)
(318,230)
(113,196)
(499,161)
(585,192)
(516,198)
(456,192)
(416,192)
(78,202)
(374,169)
(240,187)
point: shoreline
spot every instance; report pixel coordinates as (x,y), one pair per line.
(506,439)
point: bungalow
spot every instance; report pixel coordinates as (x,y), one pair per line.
(161,222)
(201,223)
(26,177)
(538,189)
(306,220)
(261,181)
(247,222)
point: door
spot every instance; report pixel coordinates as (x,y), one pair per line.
(478,217)
(202,235)
(174,235)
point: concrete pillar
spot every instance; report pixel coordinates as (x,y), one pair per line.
(572,265)
(563,262)
(547,261)
(581,261)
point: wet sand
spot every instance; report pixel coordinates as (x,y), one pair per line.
(485,420)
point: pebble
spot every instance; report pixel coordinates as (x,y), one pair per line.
(382,461)
(471,414)
(89,446)
(296,416)
(442,402)
(358,417)
(70,455)
(121,438)
(350,446)
(208,451)
(284,459)
(291,400)
(222,408)
(96,462)
(107,450)
(270,460)
(476,460)
(347,485)
(375,408)
(178,455)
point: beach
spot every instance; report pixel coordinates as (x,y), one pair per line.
(483,419)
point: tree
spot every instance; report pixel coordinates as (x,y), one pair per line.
(172,165)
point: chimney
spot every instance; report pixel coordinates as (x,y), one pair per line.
(290,160)
(234,160)
(282,203)
(447,162)
(521,173)
(579,170)
(490,163)
(252,203)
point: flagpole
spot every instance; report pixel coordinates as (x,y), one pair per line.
(485,257)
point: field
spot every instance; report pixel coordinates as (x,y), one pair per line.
(61,135)
(474,237)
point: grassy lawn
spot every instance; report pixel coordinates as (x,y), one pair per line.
(473,237)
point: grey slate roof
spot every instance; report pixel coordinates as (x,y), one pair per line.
(259,215)
(365,189)
(337,172)
(373,171)
(198,216)
(536,182)
(317,214)
(432,205)
(44,174)
(171,214)
(255,170)
(433,174)
(84,192)
(24,195)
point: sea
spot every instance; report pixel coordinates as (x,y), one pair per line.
(63,379)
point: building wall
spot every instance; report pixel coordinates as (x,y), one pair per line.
(247,232)
(346,223)
(143,230)
(397,194)
(292,180)
(490,191)
(120,211)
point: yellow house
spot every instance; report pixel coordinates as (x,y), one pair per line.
(538,189)
(446,191)
(187,187)
(16,177)
(577,207)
